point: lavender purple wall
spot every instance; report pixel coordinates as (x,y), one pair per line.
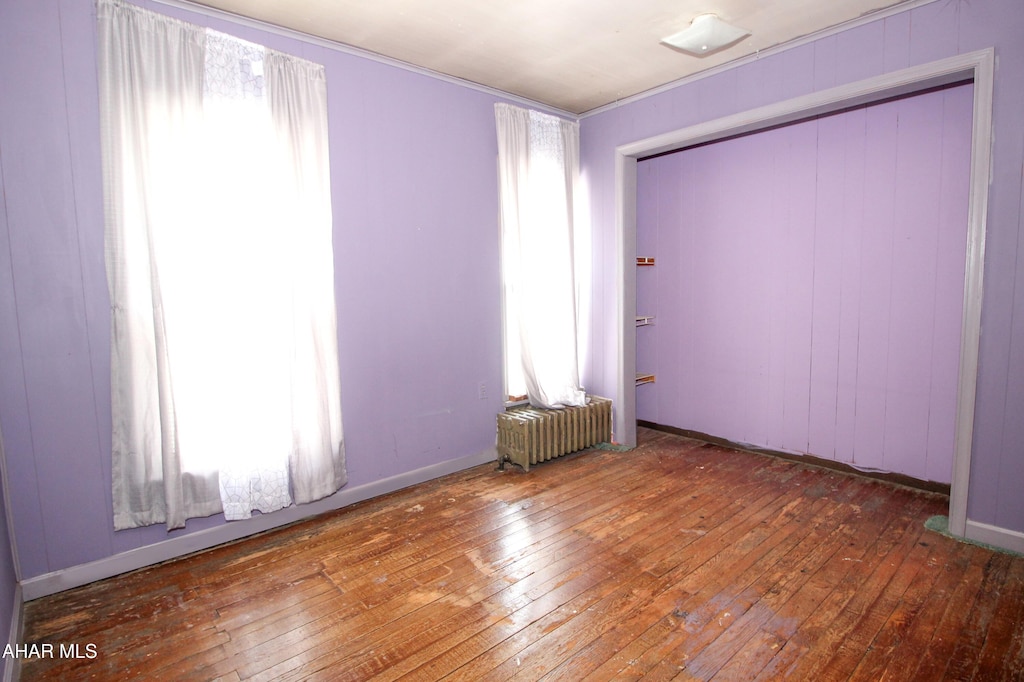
(417,275)
(8,572)
(416,246)
(926,33)
(810,282)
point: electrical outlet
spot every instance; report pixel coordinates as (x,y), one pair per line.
(482,391)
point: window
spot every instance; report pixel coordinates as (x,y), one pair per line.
(538,159)
(225,389)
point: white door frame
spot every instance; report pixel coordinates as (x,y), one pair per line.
(976,66)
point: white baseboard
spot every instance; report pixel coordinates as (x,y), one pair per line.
(994,535)
(12,669)
(82,574)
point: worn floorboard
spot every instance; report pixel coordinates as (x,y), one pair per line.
(678,560)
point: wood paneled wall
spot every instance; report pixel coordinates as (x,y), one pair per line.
(809,284)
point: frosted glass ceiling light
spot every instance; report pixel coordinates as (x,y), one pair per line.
(706,34)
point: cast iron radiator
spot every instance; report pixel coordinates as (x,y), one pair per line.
(528,435)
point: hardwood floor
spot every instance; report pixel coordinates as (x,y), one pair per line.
(677,560)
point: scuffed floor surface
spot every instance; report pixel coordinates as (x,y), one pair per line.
(677,560)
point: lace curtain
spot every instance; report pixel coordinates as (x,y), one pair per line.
(225,391)
(538,161)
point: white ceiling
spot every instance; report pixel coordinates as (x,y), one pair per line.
(575,55)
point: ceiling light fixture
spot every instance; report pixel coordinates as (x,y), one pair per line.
(706,34)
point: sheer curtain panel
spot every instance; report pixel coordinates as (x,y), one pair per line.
(538,161)
(224,372)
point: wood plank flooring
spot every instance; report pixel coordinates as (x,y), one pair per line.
(678,560)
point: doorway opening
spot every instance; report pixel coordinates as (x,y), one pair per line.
(976,67)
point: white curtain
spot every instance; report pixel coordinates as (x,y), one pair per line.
(224,381)
(538,161)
